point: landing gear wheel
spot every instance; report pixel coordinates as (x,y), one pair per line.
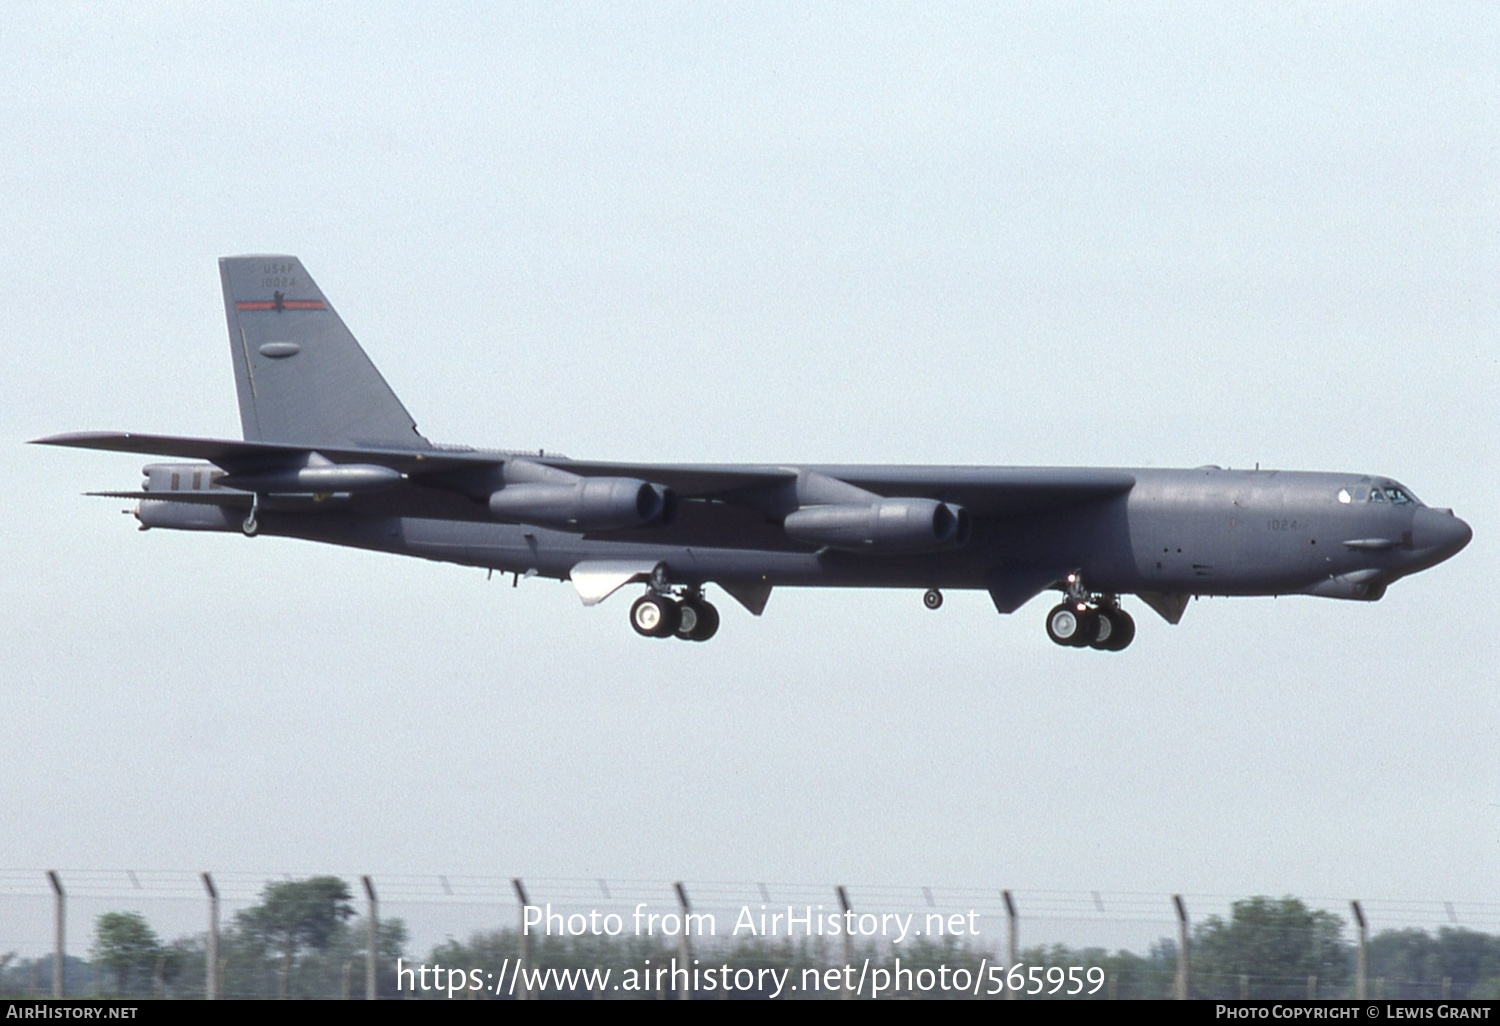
(655,616)
(687,617)
(251,524)
(1071,624)
(1088,627)
(1121,633)
(1109,625)
(933,599)
(699,620)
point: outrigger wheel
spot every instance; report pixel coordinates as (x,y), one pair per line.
(251,524)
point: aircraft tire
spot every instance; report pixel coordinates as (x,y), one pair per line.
(655,616)
(688,612)
(1105,624)
(933,599)
(250,526)
(1088,628)
(1065,625)
(700,620)
(1124,632)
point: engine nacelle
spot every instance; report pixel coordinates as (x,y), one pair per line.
(885,525)
(586,504)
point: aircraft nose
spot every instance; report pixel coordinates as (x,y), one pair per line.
(1439,532)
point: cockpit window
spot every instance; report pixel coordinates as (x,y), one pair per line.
(1393,494)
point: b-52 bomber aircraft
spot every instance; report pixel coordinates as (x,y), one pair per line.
(331,455)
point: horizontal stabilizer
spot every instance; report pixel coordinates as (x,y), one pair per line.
(216,497)
(232,454)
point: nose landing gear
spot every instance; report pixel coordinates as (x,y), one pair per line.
(1085,620)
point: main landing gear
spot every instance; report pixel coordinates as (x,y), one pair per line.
(658,615)
(1084,620)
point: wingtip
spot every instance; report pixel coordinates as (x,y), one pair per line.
(74,437)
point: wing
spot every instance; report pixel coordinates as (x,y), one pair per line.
(234,455)
(730,493)
(992,491)
(984,491)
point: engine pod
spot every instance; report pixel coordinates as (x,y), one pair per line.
(586,504)
(885,525)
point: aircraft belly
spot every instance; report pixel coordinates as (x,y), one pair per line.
(521,549)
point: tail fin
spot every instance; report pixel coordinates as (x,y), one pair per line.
(301,376)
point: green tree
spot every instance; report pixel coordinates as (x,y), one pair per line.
(127,947)
(1277,942)
(341,967)
(294,918)
(1413,964)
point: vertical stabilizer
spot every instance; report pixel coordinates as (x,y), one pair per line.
(301,376)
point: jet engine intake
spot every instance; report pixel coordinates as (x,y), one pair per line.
(885,525)
(585,504)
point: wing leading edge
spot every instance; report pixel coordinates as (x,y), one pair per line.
(984,491)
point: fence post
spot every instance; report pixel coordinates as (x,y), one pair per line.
(1361,964)
(1012,940)
(1183,982)
(372,927)
(848,994)
(684,946)
(525,938)
(211,955)
(59,955)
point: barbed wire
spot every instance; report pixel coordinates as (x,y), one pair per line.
(623,894)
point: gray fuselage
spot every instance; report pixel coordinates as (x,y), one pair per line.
(1190,532)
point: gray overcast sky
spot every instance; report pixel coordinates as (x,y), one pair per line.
(1117,235)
